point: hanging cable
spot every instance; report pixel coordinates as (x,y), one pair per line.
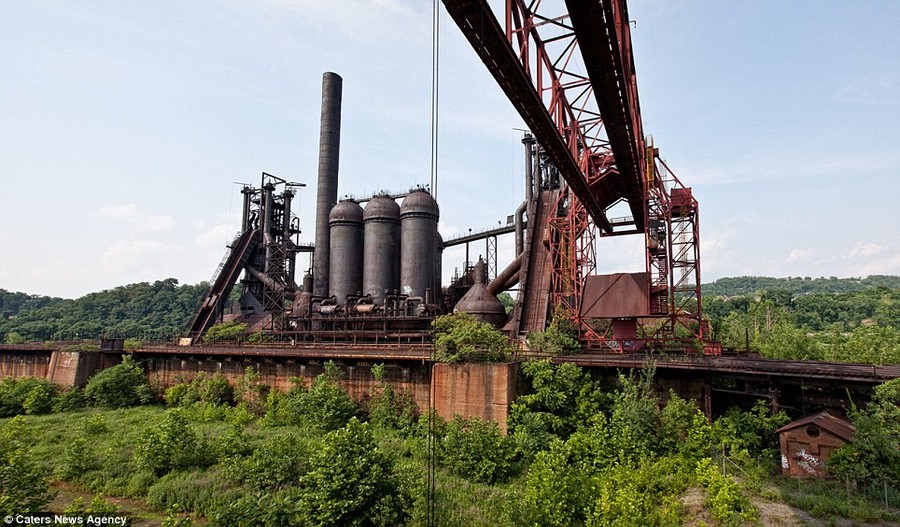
(430,515)
(435,92)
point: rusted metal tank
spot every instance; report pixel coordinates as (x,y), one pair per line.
(346,247)
(381,258)
(418,228)
(479,302)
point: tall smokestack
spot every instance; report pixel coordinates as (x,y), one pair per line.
(326,187)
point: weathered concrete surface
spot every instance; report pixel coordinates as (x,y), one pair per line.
(165,371)
(475,390)
(18,364)
(65,368)
(74,368)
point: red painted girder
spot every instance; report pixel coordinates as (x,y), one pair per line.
(477,22)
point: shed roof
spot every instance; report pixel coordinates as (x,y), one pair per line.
(829,421)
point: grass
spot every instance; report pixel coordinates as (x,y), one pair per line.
(830,499)
(110,435)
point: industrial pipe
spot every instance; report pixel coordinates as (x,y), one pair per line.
(265,279)
(245,215)
(529,142)
(520,226)
(507,278)
(327,182)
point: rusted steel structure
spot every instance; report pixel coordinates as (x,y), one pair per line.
(588,126)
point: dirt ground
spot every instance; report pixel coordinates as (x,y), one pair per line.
(771,513)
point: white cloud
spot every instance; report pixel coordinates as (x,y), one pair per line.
(216,237)
(880,90)
(864,250)
(800,255)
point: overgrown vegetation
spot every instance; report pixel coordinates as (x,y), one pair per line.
(851,321)
(462,337)
(577,453)
(230,331)
(559,338)
(120,386)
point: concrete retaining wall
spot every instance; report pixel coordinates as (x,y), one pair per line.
(475,390)
(358,379)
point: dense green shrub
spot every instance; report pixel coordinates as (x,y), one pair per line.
(23,484)
(28,395)
(171,445)
(214,390)
(279,462)
(462,337)
(753,432)
(388,408)
(726,502)
(476,450)
(230,331)
(558,400)
(873,457)
(261,509)
(119,386)
(559,338)
(351,483)
(69,400)
(323,406)
(77,459)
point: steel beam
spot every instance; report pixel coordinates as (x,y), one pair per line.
(604,39)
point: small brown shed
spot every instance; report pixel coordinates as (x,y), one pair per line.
(807,443)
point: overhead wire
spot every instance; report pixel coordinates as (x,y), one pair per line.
(435,93)
(430,515)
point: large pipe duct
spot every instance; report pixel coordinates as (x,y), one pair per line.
(507,277)
(326,186)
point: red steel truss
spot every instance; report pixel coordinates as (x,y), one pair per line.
(568,69)
(673,257)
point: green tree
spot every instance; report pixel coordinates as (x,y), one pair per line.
(351,483)
(476,450)
(873,456)
(559,338)
(120,386)
(557,401)
(555,495)
(172,445)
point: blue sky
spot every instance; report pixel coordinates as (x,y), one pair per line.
(124,125)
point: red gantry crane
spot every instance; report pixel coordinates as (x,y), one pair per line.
(568,69)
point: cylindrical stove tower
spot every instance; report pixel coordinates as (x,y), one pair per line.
(381,258)
(418,228)
(346,245)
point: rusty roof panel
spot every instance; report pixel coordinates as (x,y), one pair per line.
(619,295)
